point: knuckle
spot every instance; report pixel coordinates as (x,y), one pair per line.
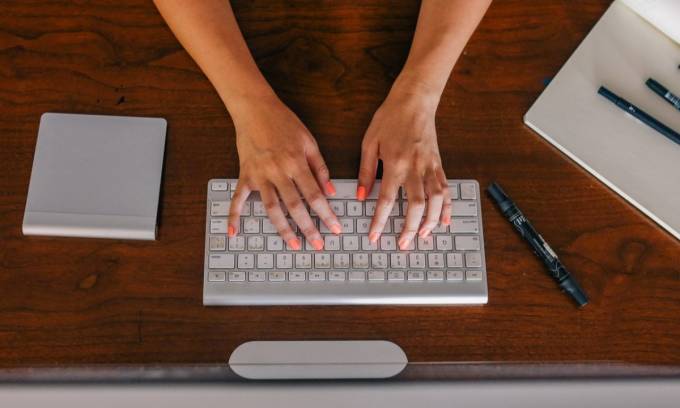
(308,230)
(271,205)
(316,199)
(323,171)
(296,206)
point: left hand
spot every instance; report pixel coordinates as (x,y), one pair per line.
(402,134)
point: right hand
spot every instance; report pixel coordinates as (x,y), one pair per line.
(280,159)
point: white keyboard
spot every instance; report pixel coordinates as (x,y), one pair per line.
(256,268)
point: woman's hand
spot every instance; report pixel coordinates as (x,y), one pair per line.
(280,159)
(402,134)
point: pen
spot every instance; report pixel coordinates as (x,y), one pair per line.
(640,114)
(541,248)
(663,92)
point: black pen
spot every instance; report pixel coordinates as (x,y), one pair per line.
(663,92)
(541,248)
(639,114)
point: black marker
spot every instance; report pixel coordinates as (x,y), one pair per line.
(641,115)
(540,247)
(663,92)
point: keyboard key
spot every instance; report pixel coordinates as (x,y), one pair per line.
(426,244)
(467,242)
(454,276)
(473,275)
(444,242)
(317,276)
(398,260)
(284,261)
(376,275)
(258,209)
(345,190)
(265,261)
(440,229)
(370,208)
(347,225)
(218,226)
(388,243)
(416,260)
(350,243)
(256,276)
(396,275)
(338,207)
(246,261)
(303,261)
(245,209)
(336,276)
(274,243)
(473,259)
(219,186)
(218,243)
(216,276)
(435,260)
(379,261)
(341,261)
(277,276)
(297,276)
(367,245)
(464,225)
(415,275)
(354,209)
(232,185)
(359,260)
(435,275)
(251,225)
(453,190)
(454,260)
(363,225)
(221,261)
(255,243)
(357,276)
(268,227)
(468,191)
(331,243)
(219,208)
(398,225)
(322,261)
(237,243)
(237,276)
(464,208)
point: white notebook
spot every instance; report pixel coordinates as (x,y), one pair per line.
(95,176)
(621,52)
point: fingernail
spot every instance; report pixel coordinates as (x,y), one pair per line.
(446,221)
(423,232)
(330,188)
(336,229)
(317,244)
(403,243)
(231,231)
(361,193)
(373,237)
(294,243)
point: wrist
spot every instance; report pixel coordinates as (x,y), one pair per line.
(411,90)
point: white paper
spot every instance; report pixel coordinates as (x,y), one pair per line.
(662,14)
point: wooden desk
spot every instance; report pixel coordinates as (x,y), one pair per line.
(82,301)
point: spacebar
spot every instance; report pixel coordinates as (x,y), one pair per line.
(347,190)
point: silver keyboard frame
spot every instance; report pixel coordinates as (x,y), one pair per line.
(342,292)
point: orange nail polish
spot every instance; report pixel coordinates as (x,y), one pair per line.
(336,229)
(294,243)
(317,244)
(446,221)
(361,193)
(330,188)
(373,237)
(231,231)
(403,244)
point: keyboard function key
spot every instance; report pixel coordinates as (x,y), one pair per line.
(468,191)
(435,275)
(317,276)
(216,276)
(219,186)
(257,276)
(336,276)
(237,276)
(277,276)
(376,276)
(473,275)
(415,275)
(454,276)
(357,276)
(397,276)
(297,276)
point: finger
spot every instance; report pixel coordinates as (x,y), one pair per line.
(367,169)
(297,210)
(270,200)
(446,204)
(414,214)
(320,170)
(240,196)
(316,200)
(388,193)
(435,200)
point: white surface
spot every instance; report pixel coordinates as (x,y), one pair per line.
(662,14)
(637,162)
(466,394)
(253,268)
(95,176)
(317,359)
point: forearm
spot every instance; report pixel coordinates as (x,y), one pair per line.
(209,32)
(443,29)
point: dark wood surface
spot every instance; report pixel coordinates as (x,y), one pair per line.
(84,301)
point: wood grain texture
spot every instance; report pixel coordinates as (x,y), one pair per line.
(77,301)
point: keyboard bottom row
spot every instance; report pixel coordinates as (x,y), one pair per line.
(340,276)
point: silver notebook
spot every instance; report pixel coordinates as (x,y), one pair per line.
(96,176)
